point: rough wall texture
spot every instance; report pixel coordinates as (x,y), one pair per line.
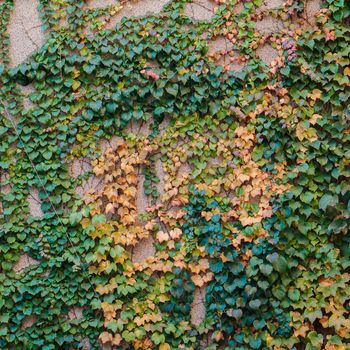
(130,9)
(25,30)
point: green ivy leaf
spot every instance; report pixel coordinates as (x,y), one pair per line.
(327,200)
(307,197)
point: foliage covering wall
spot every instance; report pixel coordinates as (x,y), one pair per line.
(245,173)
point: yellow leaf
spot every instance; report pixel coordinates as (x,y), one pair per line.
(164,346)
(183,71)
(130,191)
(302,132)
(75,85)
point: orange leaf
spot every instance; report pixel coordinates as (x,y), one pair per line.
(197,280)
(117,339)
(314,118)
(106,337)
(162,236)
(175,233)
(109,208)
